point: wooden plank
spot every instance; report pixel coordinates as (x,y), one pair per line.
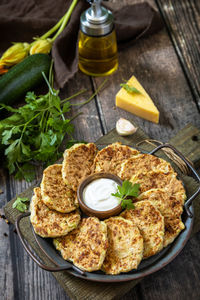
(149,59)
(182,19)
(188,142)
(6,275)
(87,125)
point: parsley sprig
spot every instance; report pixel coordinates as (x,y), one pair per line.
(126,191)
(20,204)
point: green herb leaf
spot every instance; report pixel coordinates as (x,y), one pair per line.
(131,190)
(66,107)
(127,203)
(6,136)
(117,195)
(26,171)
(130,89)
(125,191)
(20,204)
(30,96)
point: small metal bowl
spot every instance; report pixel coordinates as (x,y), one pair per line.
(89,211)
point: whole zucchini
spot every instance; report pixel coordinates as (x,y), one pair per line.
(23,78)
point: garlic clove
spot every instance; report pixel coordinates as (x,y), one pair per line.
(125,127)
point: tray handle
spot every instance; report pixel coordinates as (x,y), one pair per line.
(194,172)
(35,259)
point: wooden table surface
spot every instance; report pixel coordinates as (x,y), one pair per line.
(168,66)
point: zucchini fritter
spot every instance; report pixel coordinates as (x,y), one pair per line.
(173,226)
(171,207)
(85,246)
(154,180)
(150,223)
(143,163)
(55,193)
(125,246)
(50,223)
(168,204)
(110,158)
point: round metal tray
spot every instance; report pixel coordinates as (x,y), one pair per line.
(146,267)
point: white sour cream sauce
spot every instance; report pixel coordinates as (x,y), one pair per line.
(97,194)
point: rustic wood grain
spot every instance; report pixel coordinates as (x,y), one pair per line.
(87,125)
(154,62)
(189,143)
(156,65)
(182,19)
(6,274)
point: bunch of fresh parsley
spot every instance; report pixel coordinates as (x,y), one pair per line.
(35,132)
(126,191)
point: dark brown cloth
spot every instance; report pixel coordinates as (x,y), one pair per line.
(22,20)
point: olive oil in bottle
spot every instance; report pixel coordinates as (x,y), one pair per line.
(97,41)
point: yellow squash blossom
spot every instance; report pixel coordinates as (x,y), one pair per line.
(14,54)
(3,70)
(41,46)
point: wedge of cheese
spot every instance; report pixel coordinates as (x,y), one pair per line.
(139,104)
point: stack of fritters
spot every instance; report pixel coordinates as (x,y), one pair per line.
(53,207)
(110,158)
(55,193)
(51,223)
(171,207)
(125,246)
(158,184)
(150,222)
(117,244)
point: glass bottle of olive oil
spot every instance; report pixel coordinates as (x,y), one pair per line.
(97,41)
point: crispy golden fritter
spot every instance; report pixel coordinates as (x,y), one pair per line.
(110,158)
(152,172)
(85,246)
(78,163)
(168,204)
(171,207)
(154,180)
(150,223)
(143,163)
(173,226)
(55,193)
(175,187)
(125,246)
(50,223)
